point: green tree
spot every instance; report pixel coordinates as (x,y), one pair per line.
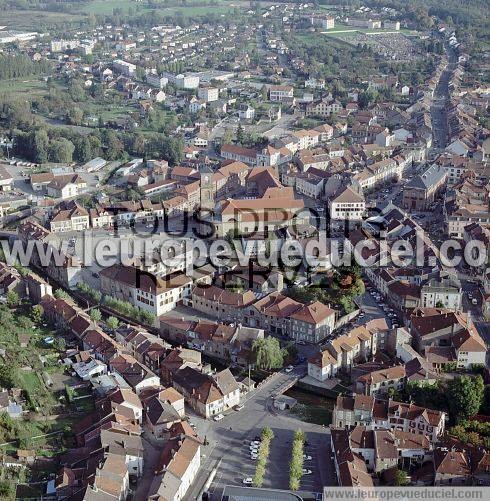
(112,323)
(76,91)
(114,147)
(75,115)
(6,378)
(60,343)
(61,150)
(400,478)
(40,143)
(227,137)
(267,353)
(61,294)
(83,149)
(95,315)
(240,134)
(7,489)
(464,396)
(13,299)
(37,313)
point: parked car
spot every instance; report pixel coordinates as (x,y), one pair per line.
(218,417)
(306,457)
(247,481)
(306,471)
(289,368)
(239,407)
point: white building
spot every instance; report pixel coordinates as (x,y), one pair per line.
(246,113)
(124,67)
(443,294)
(157,295)
(186,81)
(347,204)
(156,80)
(280,92)
(208,94)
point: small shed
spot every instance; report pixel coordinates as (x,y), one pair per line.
(283,402)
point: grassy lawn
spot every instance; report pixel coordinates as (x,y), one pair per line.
(35,20)
(106,7)
(23,87)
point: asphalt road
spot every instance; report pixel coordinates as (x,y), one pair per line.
(229,451)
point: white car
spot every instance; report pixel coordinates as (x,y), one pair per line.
(254,448)
(239,407)
(289,368)
(247,481)
(218,417)
(306,457)
(307,472)
(255,443)
(254,456)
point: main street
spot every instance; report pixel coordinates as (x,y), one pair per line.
(440,102)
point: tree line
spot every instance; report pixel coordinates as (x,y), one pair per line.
(21,66)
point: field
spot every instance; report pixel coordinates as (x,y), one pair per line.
(106,7)
(346,30)
(36,20)
(23,87)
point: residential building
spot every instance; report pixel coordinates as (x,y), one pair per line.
(443,293)
(180,460)
(325,22)
(207,394)
(186,81)
(156,80)
(323,107)
(69,216)
(361,343)
(157,295)
(373,413)
(280,92)
(208,94)
(123,67)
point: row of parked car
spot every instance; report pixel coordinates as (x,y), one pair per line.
(389,312)
(254,447)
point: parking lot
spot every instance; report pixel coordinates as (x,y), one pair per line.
(237,465)
(228,449)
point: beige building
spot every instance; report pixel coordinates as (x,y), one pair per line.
(280,92)
(422,190)
(66,186)
(157,295)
